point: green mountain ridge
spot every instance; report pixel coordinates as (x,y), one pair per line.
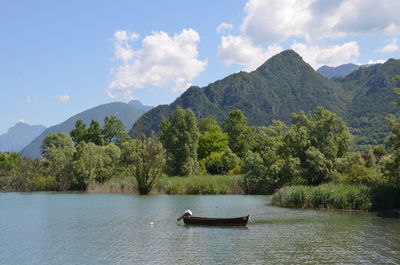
(285,84)
(127,113)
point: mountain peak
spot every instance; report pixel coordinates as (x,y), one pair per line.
(338,71)
(287,59)
(139,105)
(18,136)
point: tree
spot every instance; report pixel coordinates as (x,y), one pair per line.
(180,136)
(79,134)
(94,163)
(267,166)
(391,164)
(145,158)
(240,135)
(57,140)
(221,162)
(94,133)
(58,150)
(211,138)
(114,131)
(318,139)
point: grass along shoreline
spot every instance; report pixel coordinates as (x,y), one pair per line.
(339,196)
(198,184)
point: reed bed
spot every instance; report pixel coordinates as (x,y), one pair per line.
(207,184)
(114,185)
(339,196)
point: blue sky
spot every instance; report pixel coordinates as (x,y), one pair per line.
(58,58)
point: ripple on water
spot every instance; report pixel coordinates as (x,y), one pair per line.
(43,228)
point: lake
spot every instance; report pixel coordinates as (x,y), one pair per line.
(78,228)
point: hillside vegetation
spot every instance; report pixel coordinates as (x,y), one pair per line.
(286,84)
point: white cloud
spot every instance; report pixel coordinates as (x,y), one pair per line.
(224,27)
(312,25)
(62,98)
(275,21)
(389,48)
(164,61)
(332,55)
(240,50)
(22,120)
(376,61)
(123,51)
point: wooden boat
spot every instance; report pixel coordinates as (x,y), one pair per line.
(237,221)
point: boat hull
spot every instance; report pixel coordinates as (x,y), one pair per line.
(238,221)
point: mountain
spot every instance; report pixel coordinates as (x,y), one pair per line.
(139,105)
(372,100)
(18,136)
(282,85)
(286,84)
(127,113)
(338,71)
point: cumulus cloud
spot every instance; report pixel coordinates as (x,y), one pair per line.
(332,55)
(123,51)
(164,61)
(313,23)
(240,50)
(224,27)
(278,20)
(62,98)
(389,48)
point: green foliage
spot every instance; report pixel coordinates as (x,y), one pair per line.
(391,164)
(180,136)
(240,135)
(127,113)
(286,84)
(9,167)
(95,134)
(145,158)
(117,184)
(211,138)
(58,150)
(215,184)
(42,183)
(268,167)
(58,140)
(114,131)
(79,134)
(339,196)
(221,162)
(93,163)
(328,196)
(317,140)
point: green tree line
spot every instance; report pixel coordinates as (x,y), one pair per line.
(315,148)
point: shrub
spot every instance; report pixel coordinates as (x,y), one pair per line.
(42,183)
(220,162)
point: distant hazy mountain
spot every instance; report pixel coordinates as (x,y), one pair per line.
(137,104)
(18,136)
(338,71)
(127,113)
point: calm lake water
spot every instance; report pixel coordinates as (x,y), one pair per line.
(54,228)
